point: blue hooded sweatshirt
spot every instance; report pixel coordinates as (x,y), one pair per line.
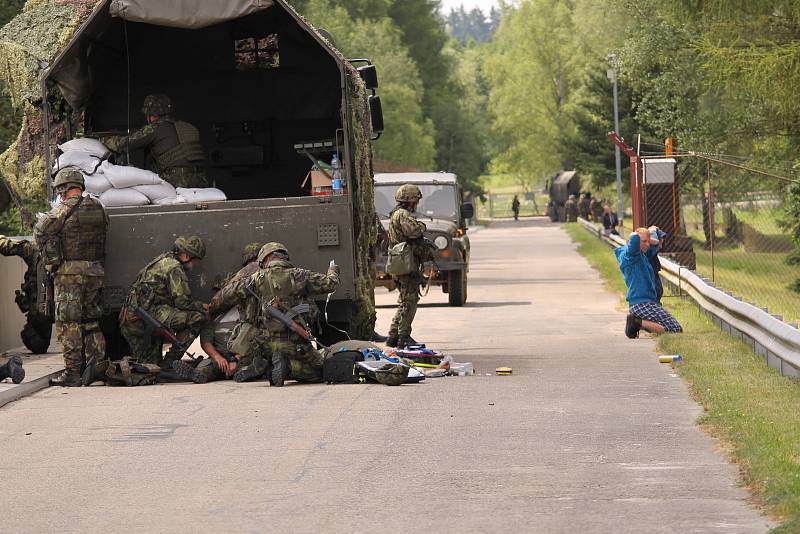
(637,271)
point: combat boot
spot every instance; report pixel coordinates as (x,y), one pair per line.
(280,370)
(187,371)
(632,326)
(405,341)
(391,341)
(377,338)
(13,369)
(67,380)
(252,371)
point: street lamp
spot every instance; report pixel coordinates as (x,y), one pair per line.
(612,75)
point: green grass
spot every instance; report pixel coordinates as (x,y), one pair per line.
(748,405)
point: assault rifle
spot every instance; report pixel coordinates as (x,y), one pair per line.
(154,327)
(285,320)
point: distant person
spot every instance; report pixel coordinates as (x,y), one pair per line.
(634,261)
(610,221)
(172,146)
(596,207)
(571,209)
(584,206)
(515,207)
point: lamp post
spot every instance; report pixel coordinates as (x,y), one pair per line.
(612,75)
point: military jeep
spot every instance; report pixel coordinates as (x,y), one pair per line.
(444,213)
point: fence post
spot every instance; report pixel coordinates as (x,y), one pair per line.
(713,230)
(491,206)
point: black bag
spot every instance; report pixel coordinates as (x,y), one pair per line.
(340,367)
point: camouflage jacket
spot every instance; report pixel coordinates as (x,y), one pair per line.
(26,295)
(163,144)
(163,282)
(403,227)
(282,285)
(223,300)
(89,239)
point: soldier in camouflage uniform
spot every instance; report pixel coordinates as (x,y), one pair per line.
(38,326)
(215,335)
(597,210)
(571,209)
(173,147)
(584,209)
(268,341)
(162,289)
(72,241)
(403,227)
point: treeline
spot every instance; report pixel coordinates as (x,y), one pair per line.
(473,25)
(434,95)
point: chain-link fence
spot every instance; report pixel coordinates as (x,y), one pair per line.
(729,225)
(500,205)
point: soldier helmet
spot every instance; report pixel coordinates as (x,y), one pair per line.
(157,105)
(408,193)
(191,245)
(69,176)
(250,252)
(392,374)
(269,248)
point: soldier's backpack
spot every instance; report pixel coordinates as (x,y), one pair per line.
(400,259)
(127,372)
(340,367)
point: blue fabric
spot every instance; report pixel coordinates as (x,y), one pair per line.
(637,271)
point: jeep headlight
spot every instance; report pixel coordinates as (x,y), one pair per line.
(440,242)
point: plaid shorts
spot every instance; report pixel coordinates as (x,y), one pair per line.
(652,311)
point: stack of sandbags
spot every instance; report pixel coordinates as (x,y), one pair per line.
(87,155)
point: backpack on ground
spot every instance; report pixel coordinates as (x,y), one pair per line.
(340,367)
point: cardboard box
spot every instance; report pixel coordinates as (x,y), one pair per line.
(320,184)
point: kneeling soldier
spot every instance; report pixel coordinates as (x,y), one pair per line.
(162,289)
(267,340)
(72,240)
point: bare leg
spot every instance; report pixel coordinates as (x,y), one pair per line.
(653,328)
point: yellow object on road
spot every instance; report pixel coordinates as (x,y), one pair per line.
(503,371)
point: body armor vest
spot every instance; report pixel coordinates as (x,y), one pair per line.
(188,150)
(84,234)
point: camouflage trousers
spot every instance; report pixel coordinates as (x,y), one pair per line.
(185,324)
(408,287)
(305,363)
(77,315)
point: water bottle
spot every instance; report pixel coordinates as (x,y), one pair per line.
(336,184)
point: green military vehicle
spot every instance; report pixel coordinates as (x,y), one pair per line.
(270,96)
(444,213)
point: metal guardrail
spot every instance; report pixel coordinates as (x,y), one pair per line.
(767,335)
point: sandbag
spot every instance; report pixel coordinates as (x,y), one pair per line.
(87,145)
(85,161)
(156,192)
(169,201)
(201,194)
(96,184)
(117,198)
(122,177)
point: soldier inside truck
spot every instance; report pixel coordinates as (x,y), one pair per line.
(255,88)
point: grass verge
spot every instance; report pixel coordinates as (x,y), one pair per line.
(748,405)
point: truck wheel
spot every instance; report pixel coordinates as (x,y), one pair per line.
(36,338)
(457,296)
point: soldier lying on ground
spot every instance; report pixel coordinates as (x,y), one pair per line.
(645,311)
(173,147)
(274,348)
(162,289)
(11,367)
(215,335)
(38,327)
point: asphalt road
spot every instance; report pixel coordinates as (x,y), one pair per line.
(590,433)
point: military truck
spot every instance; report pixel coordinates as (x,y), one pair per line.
(444,213)
(271,96)
(564,184)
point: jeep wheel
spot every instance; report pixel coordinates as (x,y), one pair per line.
(457,282)
(36,338)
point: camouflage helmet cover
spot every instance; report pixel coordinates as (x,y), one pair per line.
(269,248)
(157,105)
(392,374)
(408,193)
(250,252)
(191,245)
(69,175)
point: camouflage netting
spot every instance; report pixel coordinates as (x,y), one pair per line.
(27,45)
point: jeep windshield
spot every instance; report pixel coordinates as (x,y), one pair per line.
(438,201)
